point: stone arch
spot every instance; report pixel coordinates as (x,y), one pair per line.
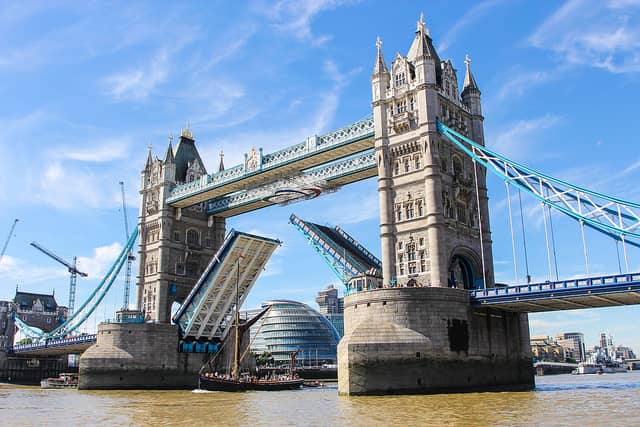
(464,269)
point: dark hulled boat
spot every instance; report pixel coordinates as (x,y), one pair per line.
(216,383)
(235,382)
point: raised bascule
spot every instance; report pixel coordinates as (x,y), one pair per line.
(427,317)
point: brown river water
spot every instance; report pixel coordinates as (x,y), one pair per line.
(562,400)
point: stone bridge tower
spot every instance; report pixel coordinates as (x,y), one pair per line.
(429,217)
(419,333)
(175,244)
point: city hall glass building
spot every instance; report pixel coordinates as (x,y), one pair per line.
(291,325)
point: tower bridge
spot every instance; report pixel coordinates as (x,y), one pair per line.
(428,316)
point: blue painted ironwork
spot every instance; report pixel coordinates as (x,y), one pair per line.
(598,287)
(361,130)
(617,218)
(53,343)
(27,330)
(322,177)
(344,256)
(205,314)
(88,307)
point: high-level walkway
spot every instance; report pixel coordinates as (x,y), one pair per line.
(284,166)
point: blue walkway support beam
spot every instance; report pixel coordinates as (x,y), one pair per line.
(342,253)
(616,218)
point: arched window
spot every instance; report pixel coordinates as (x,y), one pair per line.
(411,251)
(457,167)
(193,237)
(417,162)
(407,166)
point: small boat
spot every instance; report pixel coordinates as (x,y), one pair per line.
(65,380)
(236,382)
(312,384)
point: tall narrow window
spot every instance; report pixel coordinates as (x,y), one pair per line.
(417,162)
(420,209)
(407,166)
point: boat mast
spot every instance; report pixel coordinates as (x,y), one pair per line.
(236,368)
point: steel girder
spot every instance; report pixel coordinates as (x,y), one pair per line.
(206,312)
(617,218)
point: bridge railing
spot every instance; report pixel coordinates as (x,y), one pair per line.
(53,343)
(357,130)
(580,283)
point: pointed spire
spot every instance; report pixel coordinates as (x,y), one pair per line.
(168,158)
(149,158)
(221,165)
(422,45)
(469,80)
(380,67)
(186,132)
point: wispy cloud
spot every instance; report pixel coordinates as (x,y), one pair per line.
(100,151)
(137,84)
(472,15)
(515,140)
(295,17)
(102,258)
(593,33)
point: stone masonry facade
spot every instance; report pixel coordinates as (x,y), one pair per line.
(429,216)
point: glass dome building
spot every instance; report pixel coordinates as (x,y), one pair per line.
(292,325)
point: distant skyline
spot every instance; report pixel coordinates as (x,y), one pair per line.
(88,86)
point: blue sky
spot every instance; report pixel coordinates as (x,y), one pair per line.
(87,86)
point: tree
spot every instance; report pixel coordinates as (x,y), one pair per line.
(263,359)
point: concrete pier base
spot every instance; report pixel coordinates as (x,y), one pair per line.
(138,356)
(430,340)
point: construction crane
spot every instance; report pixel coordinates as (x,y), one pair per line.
(6,242)
(130,257)
(72,270)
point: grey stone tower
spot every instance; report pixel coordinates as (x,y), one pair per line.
(429,221)
(419,332)
(175,244)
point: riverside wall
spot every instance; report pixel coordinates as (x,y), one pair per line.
(430,340)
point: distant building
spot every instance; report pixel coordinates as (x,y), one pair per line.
(544,348)
(332,307)
(573,344)
(40,311)
(292,325)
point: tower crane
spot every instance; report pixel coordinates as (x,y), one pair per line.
(72,270)
(130,257)
(6,242)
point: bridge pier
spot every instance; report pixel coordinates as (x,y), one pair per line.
(430,340)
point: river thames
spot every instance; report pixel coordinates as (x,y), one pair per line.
(589,400)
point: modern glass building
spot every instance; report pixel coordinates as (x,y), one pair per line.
(292,325)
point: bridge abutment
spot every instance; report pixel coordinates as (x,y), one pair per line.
(138,356)
(430,340)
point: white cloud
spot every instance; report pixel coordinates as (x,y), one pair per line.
(138,83)
(515,140)
(472,15)
(103,257)
(520,82)
(593,33)
(99,151)
(294,17)
(19,271)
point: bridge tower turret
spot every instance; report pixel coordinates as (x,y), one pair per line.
(419,333)
(175,244)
